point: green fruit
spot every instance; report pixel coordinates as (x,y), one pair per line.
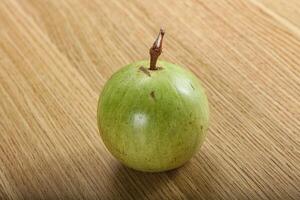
(153,119)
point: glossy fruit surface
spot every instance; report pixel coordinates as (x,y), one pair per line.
(153,120)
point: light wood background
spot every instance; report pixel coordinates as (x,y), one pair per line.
(55,57)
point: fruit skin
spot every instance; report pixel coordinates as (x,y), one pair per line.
(153,120)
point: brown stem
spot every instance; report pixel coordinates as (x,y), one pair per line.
(156,49)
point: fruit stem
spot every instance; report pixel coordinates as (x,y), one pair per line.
(156,49)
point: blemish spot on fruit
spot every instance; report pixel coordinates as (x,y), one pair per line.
(174,160)
(190,122)
(152,94)
(145,70)
(192,86)
(201,127)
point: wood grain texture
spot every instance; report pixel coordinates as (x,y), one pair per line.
(288,11)
(55,57)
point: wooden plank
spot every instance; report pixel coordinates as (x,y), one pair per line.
(289,11)
(55,57)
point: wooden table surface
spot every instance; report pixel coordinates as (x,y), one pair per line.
(55,57)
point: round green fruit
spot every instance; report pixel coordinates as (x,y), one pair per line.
(153,119)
